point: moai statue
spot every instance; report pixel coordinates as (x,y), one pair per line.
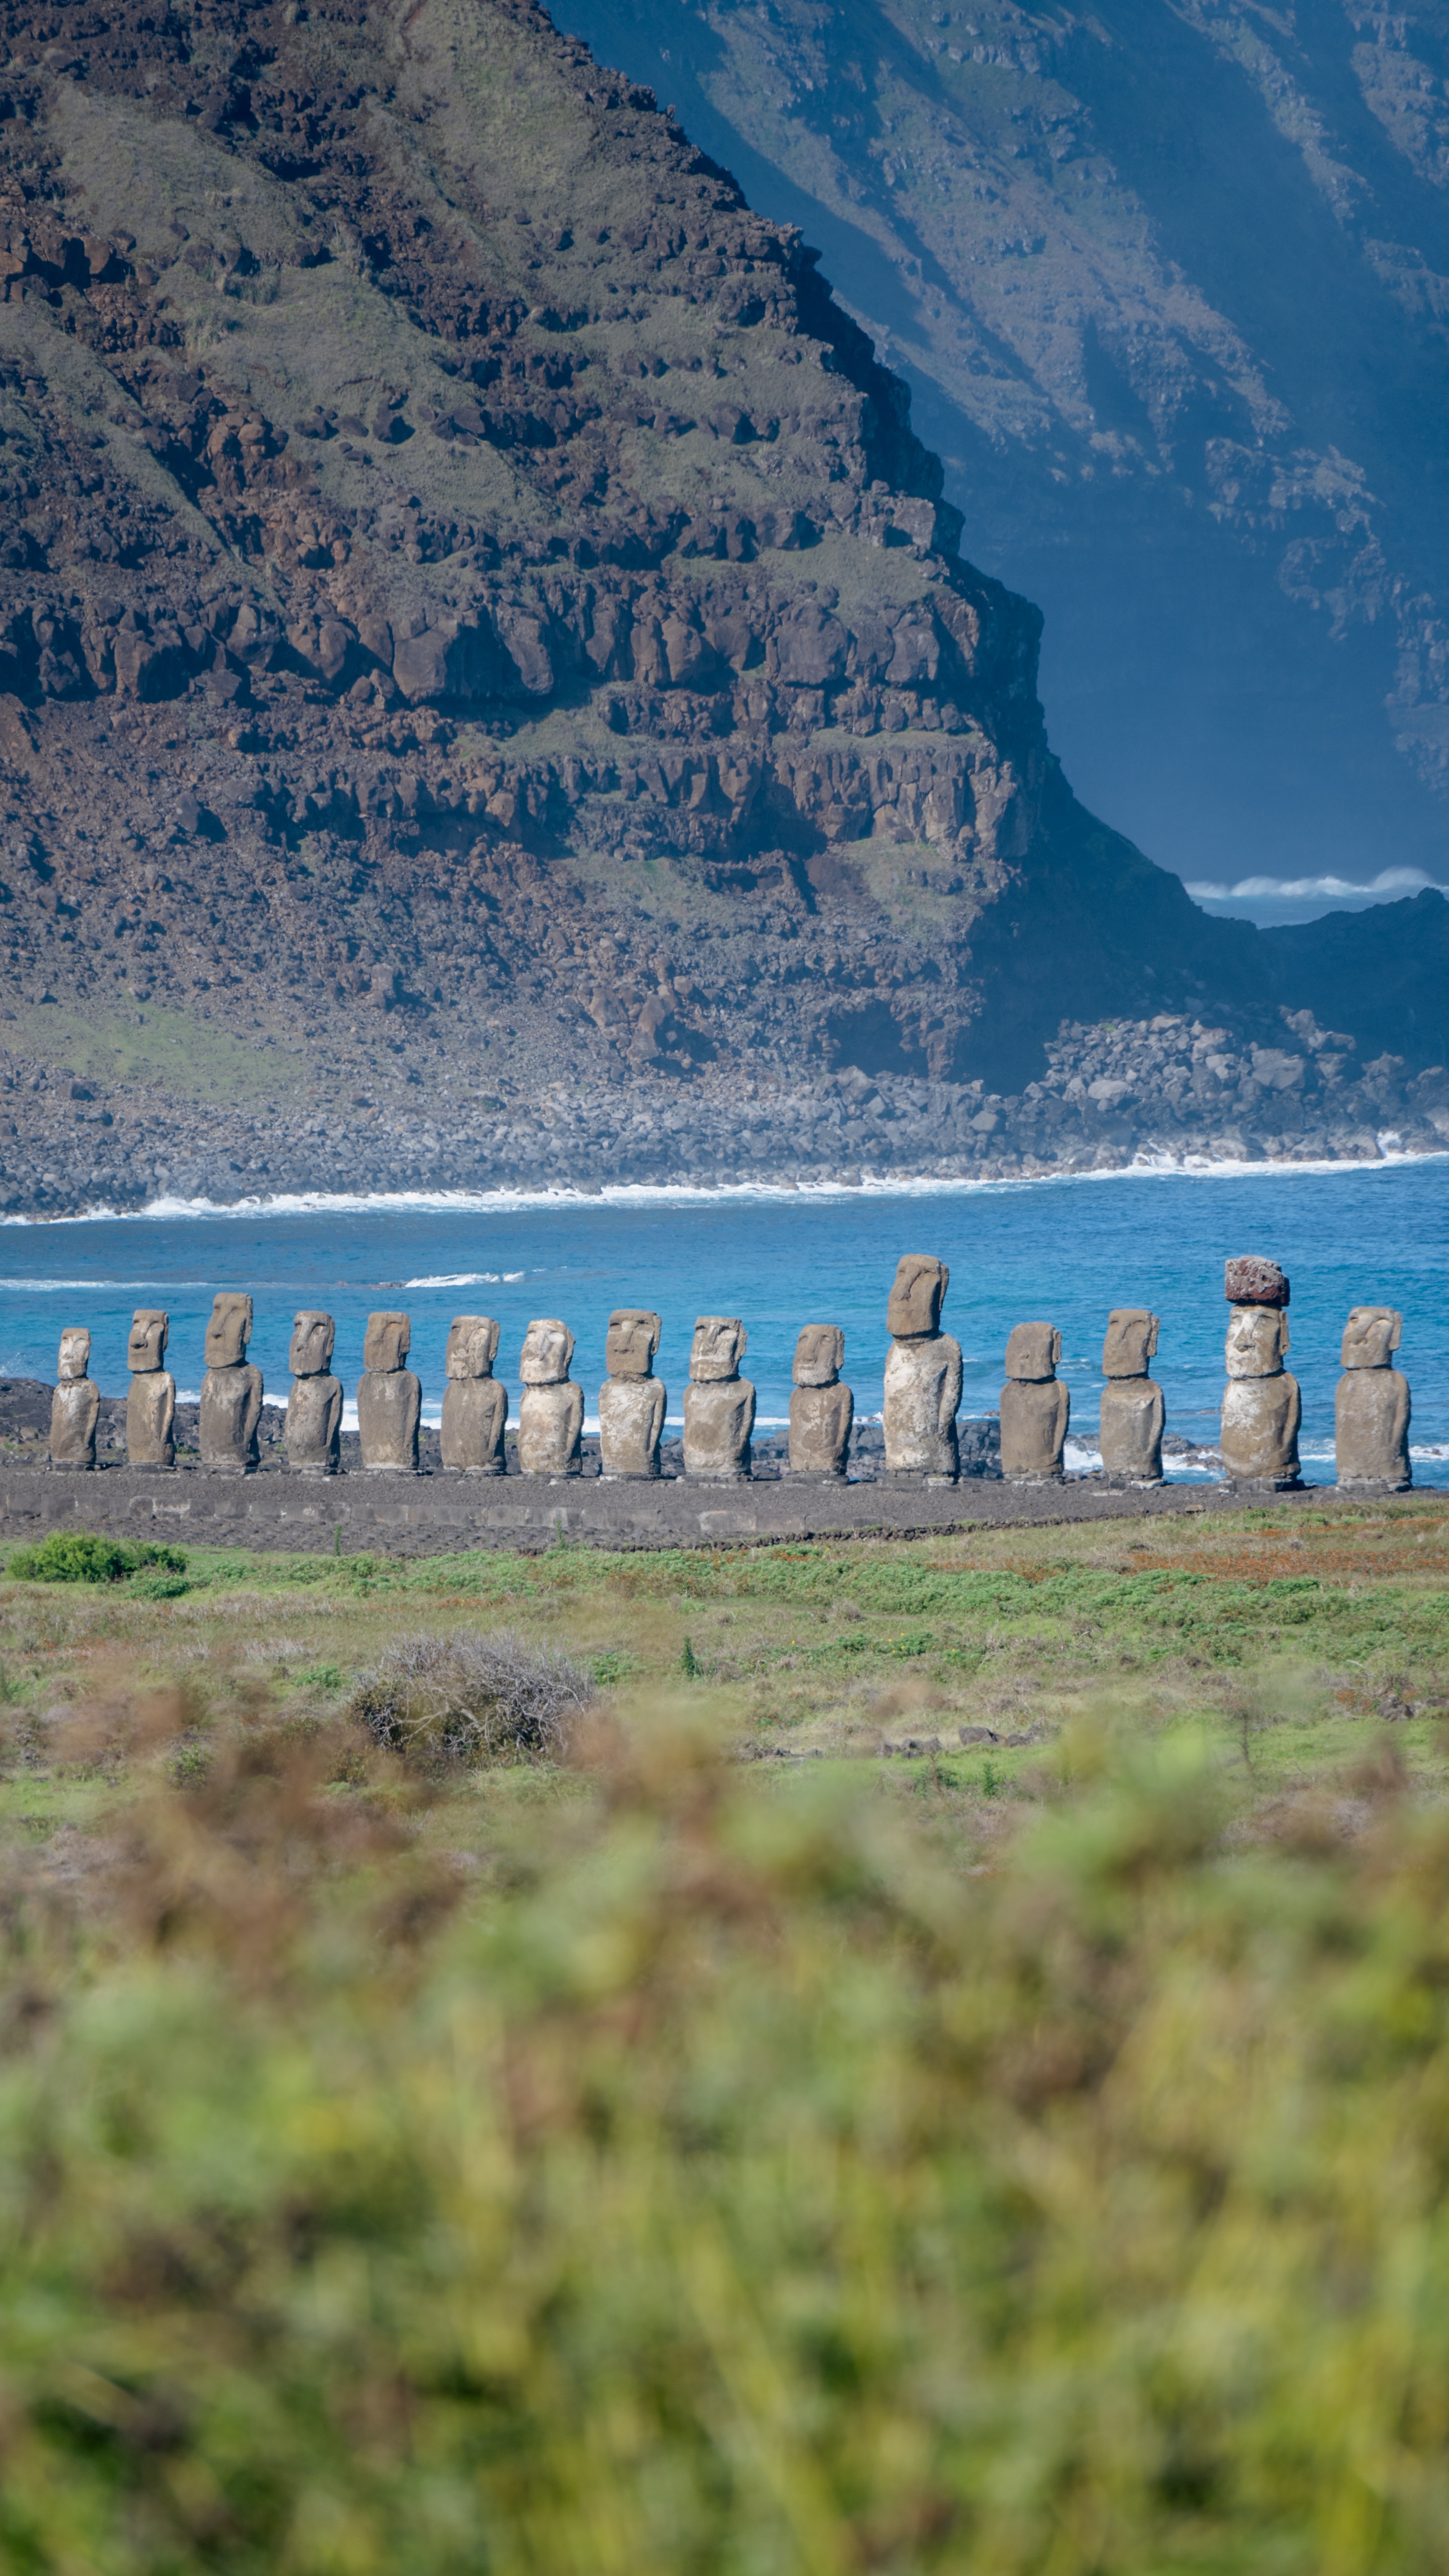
(551,1413)
(821,1409)
(922,1375)
(631,1399)
(1035,1407)
(314,1407)
(231,1391)
(475,1405)
(1371,1410)
(389,1398)
(151,1400)
(75,1403)
(1133,1411)
(1262,1407)
(719,1404)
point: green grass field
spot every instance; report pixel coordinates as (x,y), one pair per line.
(770,2134)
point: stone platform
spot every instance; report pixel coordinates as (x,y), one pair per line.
(432,1515)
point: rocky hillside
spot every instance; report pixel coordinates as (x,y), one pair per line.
(475,617)
(1171,289)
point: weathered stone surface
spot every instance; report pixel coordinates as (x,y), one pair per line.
(75,1404)
(475,1405)
(918,1293)
(1253,1280)
(822,1411)
(632,1401)
(1035,1408)
(151,1399)
(314,1406)
(551,1414)
(1262,1406)
(230,1409)
(1372,1408)
(389,1398)
(229,1329)
(719,1405)
(1133,1410)
(922,1400)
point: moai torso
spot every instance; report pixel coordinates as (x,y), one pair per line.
(1035,1407)
(1372,1408)
(475,1406)
(1133,1411)
(821,1409)
(1262,1407)
(922,1375)
(231,1391)
(632,1402)
(314,1406)
(389,1398)
(551,1412)
(719,1404)
(75,1404)
(151,1397)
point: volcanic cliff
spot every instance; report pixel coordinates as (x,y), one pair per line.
(475,617)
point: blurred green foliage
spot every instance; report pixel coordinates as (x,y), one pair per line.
(80,1556)
(729,2181)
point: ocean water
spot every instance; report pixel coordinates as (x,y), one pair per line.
(1064,1249)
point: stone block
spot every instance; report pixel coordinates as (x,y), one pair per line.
(1253,1280)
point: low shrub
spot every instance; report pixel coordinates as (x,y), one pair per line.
(82,1556)
(466,1698)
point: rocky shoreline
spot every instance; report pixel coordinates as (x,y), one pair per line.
(1171,1090)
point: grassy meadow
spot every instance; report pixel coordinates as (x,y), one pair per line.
(892,2057)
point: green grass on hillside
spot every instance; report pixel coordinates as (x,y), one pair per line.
(191,1058)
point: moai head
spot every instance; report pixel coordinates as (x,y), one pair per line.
(313,1339)
(717,1350)
(1371,1336)
(229,1330)
(386,1343)
(819,1353)
(146,1349)
(75,1354)
(1131,1342)
(472,1346)
(633,1340)
(917,1295)
(1254,1280)
(548,1347)
(1032,1351)
(1257,1341)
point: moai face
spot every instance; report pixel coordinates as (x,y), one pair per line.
(386,1343)
(548,1347)
(819,1354)
(1131,1342)
(633,1340)
(472,1346)
(917,1296)
(75,1355)
(1257,1341)
(1371,1336)
(146,1348)
(229,1330)
(717,1350)
(314,1337)
(1032,1351)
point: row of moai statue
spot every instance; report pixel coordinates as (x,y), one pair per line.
(1262,1407)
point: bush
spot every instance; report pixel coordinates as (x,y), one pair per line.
(81,1556)
(738,2187)
(466,1698)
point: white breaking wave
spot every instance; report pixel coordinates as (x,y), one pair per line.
(1389,881)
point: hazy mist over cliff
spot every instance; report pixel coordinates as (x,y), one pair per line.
(1171,289)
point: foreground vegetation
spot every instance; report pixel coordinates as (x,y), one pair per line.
(430,2143)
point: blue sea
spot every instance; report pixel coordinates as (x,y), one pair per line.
(1064,1249)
